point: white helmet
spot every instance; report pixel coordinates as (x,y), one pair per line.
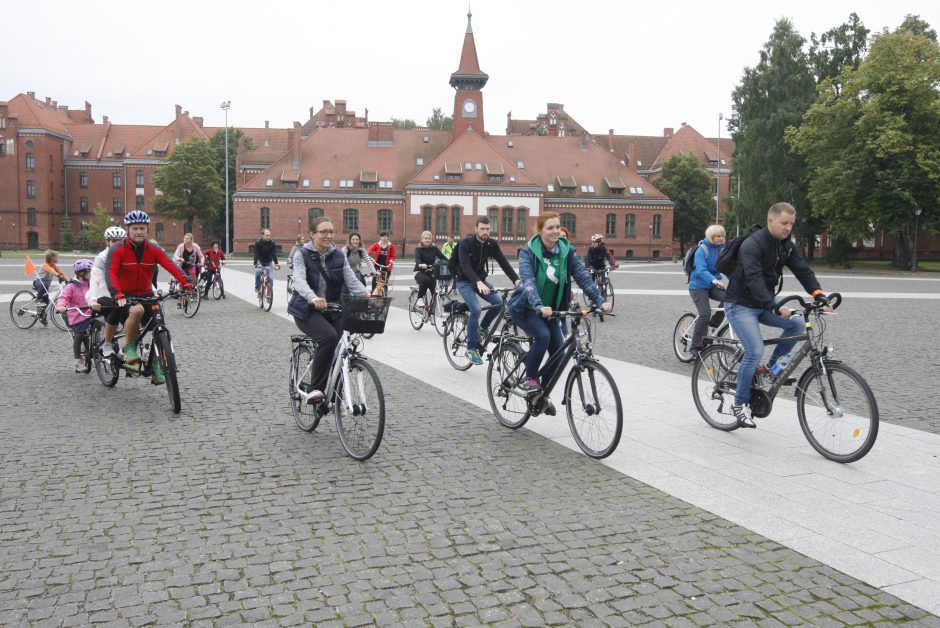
(115,232)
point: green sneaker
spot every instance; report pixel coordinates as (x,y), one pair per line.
(130,354)
(158,378)
(474,356)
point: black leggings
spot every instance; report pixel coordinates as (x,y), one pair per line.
(325,332)
(425,282)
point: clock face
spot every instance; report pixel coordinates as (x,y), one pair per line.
(469,107)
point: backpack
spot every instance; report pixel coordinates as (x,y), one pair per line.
(728,258)
(453,264)
(688,264)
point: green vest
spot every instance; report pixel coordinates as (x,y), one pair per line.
(551,272)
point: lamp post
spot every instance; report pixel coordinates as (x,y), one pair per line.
(228,244)
(718,172)
(15,236)
(917,211)
(649,257)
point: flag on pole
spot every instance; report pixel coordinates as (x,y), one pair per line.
(30,267)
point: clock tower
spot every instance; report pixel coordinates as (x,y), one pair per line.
(468,80)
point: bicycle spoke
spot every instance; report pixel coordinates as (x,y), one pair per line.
(837,412)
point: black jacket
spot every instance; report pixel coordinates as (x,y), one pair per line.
(427,255)
(265,252)
(761,259)
(473,256)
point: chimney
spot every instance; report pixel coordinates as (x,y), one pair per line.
(311,112)
(198,121)
(631,155)
(104,119)
(179,123)
(296,145)
(267,133)
(48,101)
(55,104)
(32,95)
(88,110)
(667,132)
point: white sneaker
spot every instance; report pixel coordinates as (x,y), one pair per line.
(79,365)
(107,350)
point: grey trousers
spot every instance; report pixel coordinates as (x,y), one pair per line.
(702,300)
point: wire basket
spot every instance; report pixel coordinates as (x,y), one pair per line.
(442,271)
(364,316)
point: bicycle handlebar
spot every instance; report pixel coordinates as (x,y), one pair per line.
(834,300)
(577,313)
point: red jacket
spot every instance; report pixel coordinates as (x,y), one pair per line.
(376,249)
(129,271)
(214,259)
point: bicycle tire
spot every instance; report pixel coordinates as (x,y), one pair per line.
(217,287)
(162,350)
(267,298)
(105,367)
(713,386)
(682,337)
(505,371)
(414,316)
(837,408)
(305,414)
(360,432)
(25,308)
(58,319)
(455,342)
(87,349)
(599,425)
(440,316)
(191,303)
(290,287)
(609,293)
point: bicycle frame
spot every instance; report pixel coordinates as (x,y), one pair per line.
(346,348)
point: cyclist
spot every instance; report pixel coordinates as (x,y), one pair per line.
(129,272)
(598,256)
(98,296)
(190,258)
(425,255)
(383,254)
(265,258)
(215,257)
(547,266)
(321,274)
(298,244)
(450,245)
(473,252)
(706,283)
(749,299)
(50,270)
(75,295)
(359,260)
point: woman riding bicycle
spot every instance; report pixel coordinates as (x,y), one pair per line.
(425,255)
(321,274)
(705,283)
(547,266)
(189,257)
(358,259)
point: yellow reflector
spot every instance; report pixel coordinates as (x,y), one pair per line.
(856,432)
(711,370)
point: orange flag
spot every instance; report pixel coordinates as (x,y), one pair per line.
(30,267)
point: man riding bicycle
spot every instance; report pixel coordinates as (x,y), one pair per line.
(473,253)
(129,270)
(749,298)
(265,258)
(598,256)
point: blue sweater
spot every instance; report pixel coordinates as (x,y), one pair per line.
(704,273)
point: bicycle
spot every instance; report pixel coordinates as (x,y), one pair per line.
(445,286)
(718,331)
(188,302)
(290,286)
(86,350)
(265,291)
(836,407)
(381,280)
(354,391)
(26,308)
(602,281)
(591,398)
(217,285)
(455,330)
(160,350)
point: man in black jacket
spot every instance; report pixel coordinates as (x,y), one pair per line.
(749,300)
(473,253)
(265,258)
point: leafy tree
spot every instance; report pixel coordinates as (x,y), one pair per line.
(837,49)
(686,182)
(916,26)
(96,227)
(406,123)
(235,135)
(68,238)
(190,183)
(439,122)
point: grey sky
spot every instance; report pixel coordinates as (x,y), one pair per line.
(634,67)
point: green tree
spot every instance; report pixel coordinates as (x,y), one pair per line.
(217,223)
(68,238)
(771,96)
(686,182)
(189,184)
(439,122)
(837,49)
(96,227)
(873,149)
(404,123)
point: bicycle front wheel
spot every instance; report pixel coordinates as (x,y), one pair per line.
(838,412)
(267,298)
(217,288)
(455,342)
(609,293)
(25,309)
(415,312)
(191,303)
(682,337)
(106,367)
(58,319)
(505,371)
(290,288)
(301,379)
(595,413)
(360,410)
(713,386)
(163,352)
(440,316)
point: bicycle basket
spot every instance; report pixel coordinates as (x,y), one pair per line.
(364,316)
(442,271)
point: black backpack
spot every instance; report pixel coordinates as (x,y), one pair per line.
(728,258)
(688,264)
(453,264)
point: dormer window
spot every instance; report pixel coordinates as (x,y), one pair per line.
(161,147)
(453,172)
(615,185)
(368,179)
(495,172)
(568,185)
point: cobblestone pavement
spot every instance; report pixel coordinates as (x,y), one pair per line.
(113,510)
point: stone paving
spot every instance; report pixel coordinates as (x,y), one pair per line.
(113,510)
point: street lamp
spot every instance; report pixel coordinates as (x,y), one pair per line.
(649,257)
(15,237)
(228,243)
(718,173)
(917,211)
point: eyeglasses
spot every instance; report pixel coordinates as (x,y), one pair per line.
(326,231)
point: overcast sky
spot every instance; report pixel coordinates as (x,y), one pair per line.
(636,67)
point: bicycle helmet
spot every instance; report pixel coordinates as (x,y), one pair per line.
(81,265)
(115,232)
(597,237)
(137,217)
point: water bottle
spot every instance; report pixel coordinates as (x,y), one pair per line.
(781,364)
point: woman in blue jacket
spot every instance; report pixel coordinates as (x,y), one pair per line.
(546,267)
(705,283)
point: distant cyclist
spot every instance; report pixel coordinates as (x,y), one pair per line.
(189,257)
(383,254)
(215,257)
(358,258)
(298,244)
(426,254)
(705,282)
(265,259)
(598,257)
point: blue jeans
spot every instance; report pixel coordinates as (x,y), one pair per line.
(267,269)
(546,336)
(746,322)
(468,291)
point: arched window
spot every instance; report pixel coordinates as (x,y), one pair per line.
(313,212)
(657,225)
(440,222)
(629,253)
(426,218)
(139,178)
(569,222)
(265,218)
(384,220)
(631,226)
(521,214)
(139,203)
(31,216)
(507,222)
(610,228)
(350,220)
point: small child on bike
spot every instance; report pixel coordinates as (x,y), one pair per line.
(75,295)
(50,270)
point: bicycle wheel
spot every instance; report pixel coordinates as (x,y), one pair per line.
(360,410)
(505,371)
(267,298)
(440,316)
(58,319)
(713,386)
(305,415)
(682,337)
(87,347)
(609,293)
(163,351)
(455,342)
(191,303)
(25,309)
(106,367)
(595,413)
(838,412)
(290,287)
(415,314)
(217,288)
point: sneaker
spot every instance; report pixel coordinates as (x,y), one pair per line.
(743,415)
(130,354)
(44,321)
(474,356)
(530,385)
(79,365)
(179,305)
(158,378)
(107,350)
(223,295)
(544,406)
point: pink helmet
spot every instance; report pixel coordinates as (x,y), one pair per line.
(81,265)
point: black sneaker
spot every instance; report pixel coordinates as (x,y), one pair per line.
(743,415)
(544,406)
